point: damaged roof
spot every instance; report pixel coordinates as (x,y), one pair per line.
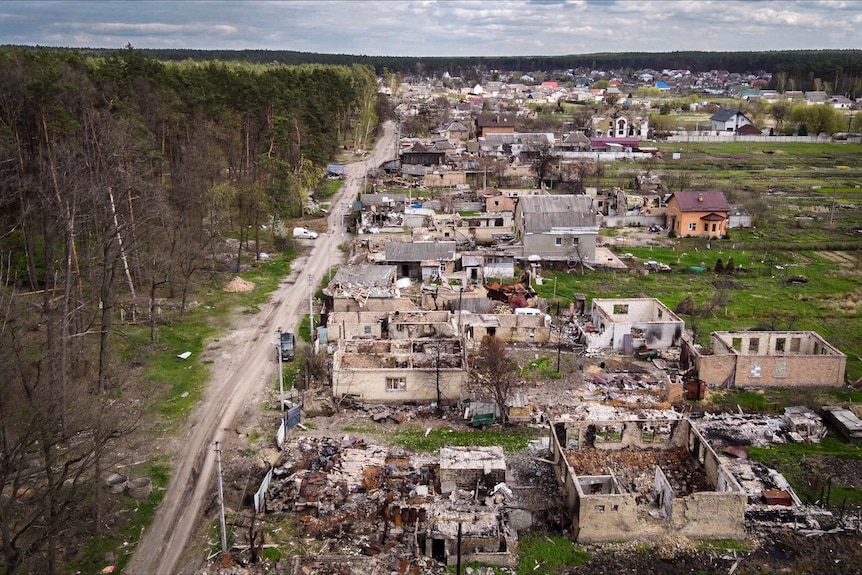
(544,213)
(378,279)
(419,251)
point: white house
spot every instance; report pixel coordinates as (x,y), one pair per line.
(728,120)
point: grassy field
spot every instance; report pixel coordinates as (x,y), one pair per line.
(758,296)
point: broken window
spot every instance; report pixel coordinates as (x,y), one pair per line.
(660,314)
(754,345)
(396,384)
(558,241)
(615,507)
(367,330)
(600,508)
(795,344)
(756,371)
(779,343)
(498,223)
(648,433)
(621,308)
(736,343)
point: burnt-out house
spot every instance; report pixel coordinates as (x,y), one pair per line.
(632,479)
(378,510)
(422,155)
(421,260)
(765,358)
(626,324)
(397,371)
(481,265)
(382,210)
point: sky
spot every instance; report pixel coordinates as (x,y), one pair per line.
(437,27)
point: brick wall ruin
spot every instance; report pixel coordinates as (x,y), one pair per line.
(767,358)
(625,480)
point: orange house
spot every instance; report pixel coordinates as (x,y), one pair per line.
(701,214)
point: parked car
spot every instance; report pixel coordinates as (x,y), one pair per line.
(304,234)
(286,346)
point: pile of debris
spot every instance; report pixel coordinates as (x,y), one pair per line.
(724,429)
(638,388)
(366,500)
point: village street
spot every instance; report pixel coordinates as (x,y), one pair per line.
(241,369)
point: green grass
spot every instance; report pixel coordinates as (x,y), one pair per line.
(135,515)
(757,298)
(327,189)
(545,553)
(723,545)
(544,366)
(793,461)
(774,400)
(512,439)
(303,330)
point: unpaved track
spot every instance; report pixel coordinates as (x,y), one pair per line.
(240,369)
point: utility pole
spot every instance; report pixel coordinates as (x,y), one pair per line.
(220,498)
(439,398)
(311,310)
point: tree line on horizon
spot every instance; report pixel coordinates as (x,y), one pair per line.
(836,71)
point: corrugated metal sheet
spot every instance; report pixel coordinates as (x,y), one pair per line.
(419,251)
(544,213)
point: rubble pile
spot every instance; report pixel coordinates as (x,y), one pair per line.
(627,387)
(723,429)
(635,469)
(365,500)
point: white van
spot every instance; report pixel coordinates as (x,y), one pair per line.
(304,234)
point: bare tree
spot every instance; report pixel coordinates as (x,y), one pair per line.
(495,372)
(542,162)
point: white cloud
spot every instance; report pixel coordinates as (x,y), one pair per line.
(439,27)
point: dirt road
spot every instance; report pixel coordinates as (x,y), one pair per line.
(241,367)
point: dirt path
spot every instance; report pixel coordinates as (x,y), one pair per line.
(236,377)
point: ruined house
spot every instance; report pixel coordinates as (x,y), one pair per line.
(421,260)
(627,324)
(479,228)
(560,227)
(627,480)
(482,265)
(509,327)
(419,371)
(364,287)
(404,323)
(377,510)
(467,467)
(765,358)
(382,210)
